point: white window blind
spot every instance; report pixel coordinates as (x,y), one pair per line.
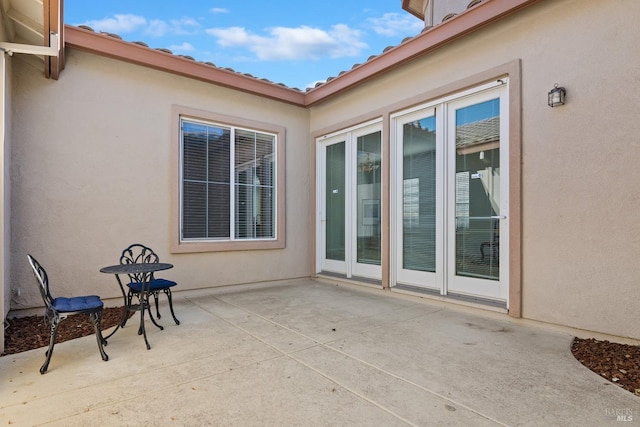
(217,159)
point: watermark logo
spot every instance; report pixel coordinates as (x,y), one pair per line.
(619,414)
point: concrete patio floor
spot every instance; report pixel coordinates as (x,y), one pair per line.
(307,353)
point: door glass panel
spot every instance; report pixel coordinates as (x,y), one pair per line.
(477,190)
(368,198)
(335,202)
(419,195)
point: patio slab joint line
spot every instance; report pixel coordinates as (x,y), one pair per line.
(329,347)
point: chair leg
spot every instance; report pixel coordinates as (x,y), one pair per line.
(153,320)
(125,315)
(144,305)
(54,320)
(97,319)
(168,293)
(155,297)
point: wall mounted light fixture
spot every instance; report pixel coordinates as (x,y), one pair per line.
(556,95)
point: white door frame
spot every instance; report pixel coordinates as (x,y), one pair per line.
(441,281)
(349,267)
(469,285)
(431,280)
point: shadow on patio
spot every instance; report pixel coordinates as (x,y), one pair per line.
(310,353)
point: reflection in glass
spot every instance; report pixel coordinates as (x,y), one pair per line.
(477,190)
(368,198)
(254,185)
(419,195)
(335,202)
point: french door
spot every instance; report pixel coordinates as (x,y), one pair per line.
(349,201)
(450,195)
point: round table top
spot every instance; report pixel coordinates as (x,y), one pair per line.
(143,267)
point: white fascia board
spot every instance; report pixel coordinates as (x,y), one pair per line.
(52,50)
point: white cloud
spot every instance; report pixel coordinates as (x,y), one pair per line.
(313,84)
(184,47)
(395,24)
(219,10)
(157,28)
(184,25)
(118,24)
(284,43)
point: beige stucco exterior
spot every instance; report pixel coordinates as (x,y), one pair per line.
(5,182)
(94,172)
(92,168)
(578,209)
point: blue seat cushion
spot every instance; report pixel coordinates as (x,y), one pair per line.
(156,284)
(67,305)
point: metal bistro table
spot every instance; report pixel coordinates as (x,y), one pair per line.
(144,272)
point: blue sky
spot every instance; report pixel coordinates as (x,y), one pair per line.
(297,43)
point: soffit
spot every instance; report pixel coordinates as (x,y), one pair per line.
(29,22)
(414,7)
(24,20)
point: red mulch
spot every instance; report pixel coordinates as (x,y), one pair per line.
(618,363)
(27,333)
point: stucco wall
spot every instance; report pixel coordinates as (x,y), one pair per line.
(92,175)
(5,188)
(579,194)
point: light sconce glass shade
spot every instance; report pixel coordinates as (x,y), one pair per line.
(556,96)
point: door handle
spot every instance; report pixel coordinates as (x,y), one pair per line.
(499,217)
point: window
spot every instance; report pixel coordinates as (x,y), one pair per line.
(228,179)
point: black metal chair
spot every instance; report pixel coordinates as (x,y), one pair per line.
(493,245)
(138,253)
(59,308)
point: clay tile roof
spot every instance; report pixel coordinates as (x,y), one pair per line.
(115,36)
(408,48)
(168,51)
(480,132)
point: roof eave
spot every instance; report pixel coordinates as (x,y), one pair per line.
(105,45)
(430,40)
(408,5)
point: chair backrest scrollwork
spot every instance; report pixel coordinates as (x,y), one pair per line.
(43,281)
(136,254)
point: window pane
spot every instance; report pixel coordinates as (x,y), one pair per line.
(219,215)
(419,195)
(254,185)
(478,190)
(245,156)
(194,151)
(219,154)
(265,227)
(368,196)
(335,202)
(246,217)
(194,217)
(206,188)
